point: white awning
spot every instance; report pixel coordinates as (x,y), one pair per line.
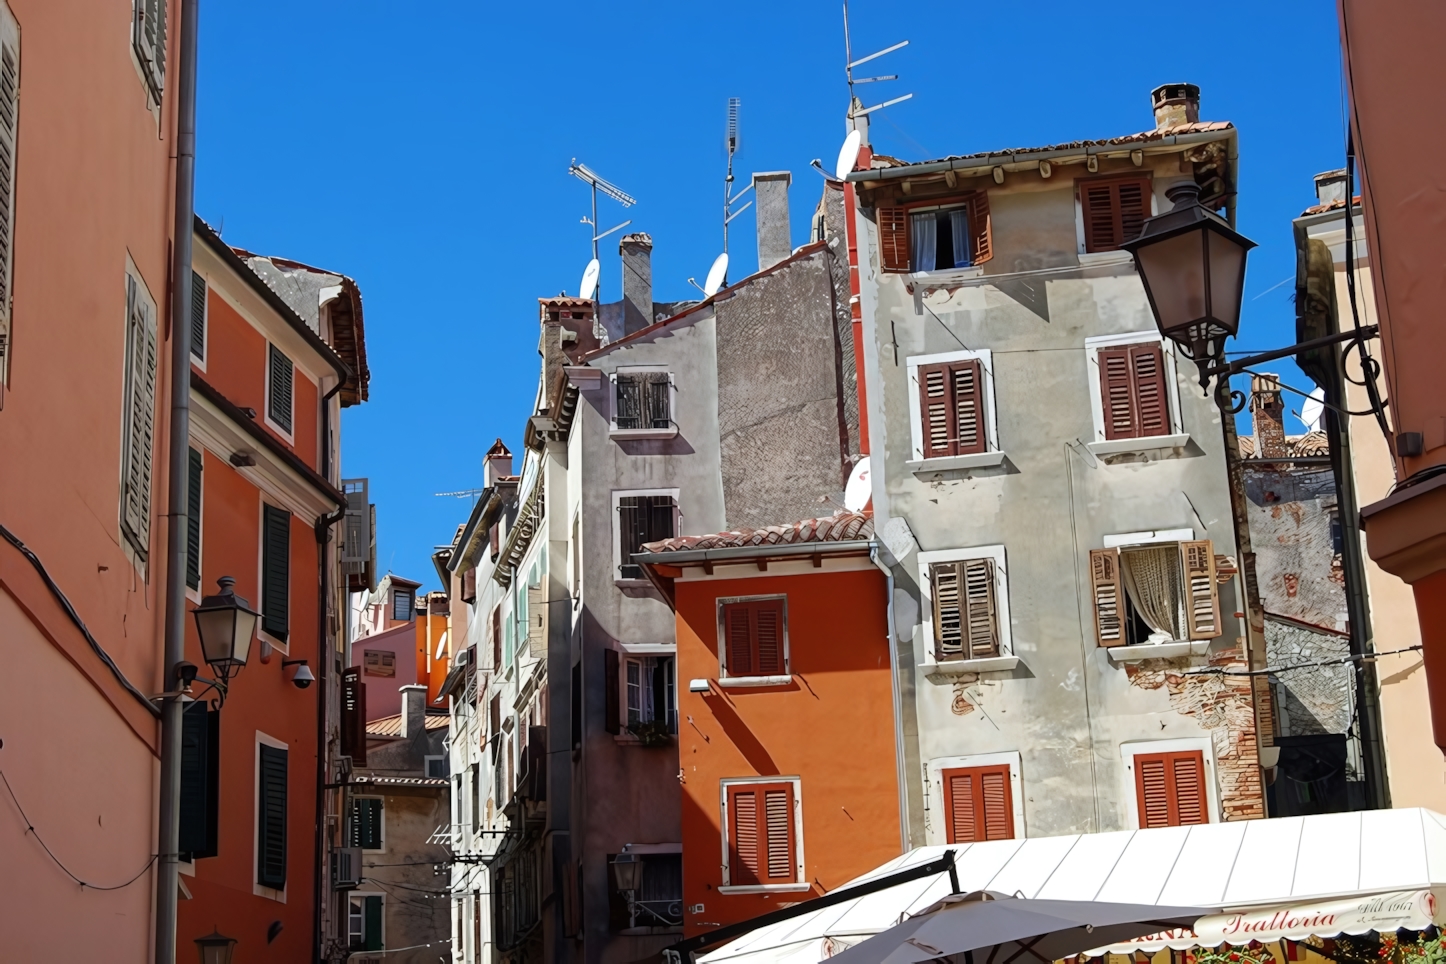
(1251,866)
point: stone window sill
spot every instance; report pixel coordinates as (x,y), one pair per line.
(732,681)
(627,433)
(976,460)
(959,667)
(1159,446)
(1089,258)
(1133,654)
(762,888)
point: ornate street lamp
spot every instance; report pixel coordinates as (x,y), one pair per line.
(628,872)
(1193,267)
(215,948)
(226,623)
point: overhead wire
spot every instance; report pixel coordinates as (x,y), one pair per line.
(30,829)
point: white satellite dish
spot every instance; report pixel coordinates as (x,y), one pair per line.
(589,280)
(848,155)
(859,489)
(716,274)
(1313,409)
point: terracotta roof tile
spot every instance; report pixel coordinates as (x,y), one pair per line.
(1143,137)
(839,527)
(1335,205)
(392,725)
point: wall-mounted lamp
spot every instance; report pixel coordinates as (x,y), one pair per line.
(225,623)
(216,948)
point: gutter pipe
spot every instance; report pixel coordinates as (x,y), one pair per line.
(898,698)
(323,664)
(753,552)
(168,838)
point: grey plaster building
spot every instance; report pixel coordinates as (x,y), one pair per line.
(1053,486)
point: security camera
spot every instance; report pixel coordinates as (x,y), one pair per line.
(302,678)
(186,673)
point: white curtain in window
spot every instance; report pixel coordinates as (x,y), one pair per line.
(923,240)
(1152,580)
(959,223)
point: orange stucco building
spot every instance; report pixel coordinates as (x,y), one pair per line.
(786,706)
(87,189)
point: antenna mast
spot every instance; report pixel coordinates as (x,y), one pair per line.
(595,181)
(728,196)
(850,64)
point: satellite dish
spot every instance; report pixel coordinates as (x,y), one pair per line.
(848,155)
(859,489)
(716,274)
(1313,409)
(589,280)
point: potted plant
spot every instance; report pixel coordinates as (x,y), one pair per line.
(651,732)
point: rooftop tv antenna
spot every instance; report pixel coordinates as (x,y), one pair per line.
(729,198)
(850,64)
(459,494)
(598,183)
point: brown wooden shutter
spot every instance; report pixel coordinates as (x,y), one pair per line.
(934,410)
(610,694)
(739,641)
(981,231)
(762,848)
(754,638)
(948,628)
(1170,789)
(951,406)
(981,615)
(469,585)
(893,238)
(967,380)
(768,635)
(1117,396)
(1114,211)
(497,637)
(1147,378)
(978,804)
(1202,595)
(1108,596)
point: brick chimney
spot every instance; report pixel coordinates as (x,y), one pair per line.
(497,464)
(1175,104)
(637,254)
(414,711)
(1267,414)
(774,242)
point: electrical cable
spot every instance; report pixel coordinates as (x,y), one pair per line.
(30,829)
(60,597)
(1334,408)
(1378,407)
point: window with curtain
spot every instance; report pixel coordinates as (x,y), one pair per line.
(648,681)
(952,233)
(1157,593)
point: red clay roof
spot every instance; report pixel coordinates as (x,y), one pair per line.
(1143,137)
(392,725)
(1335,205)
(839,527)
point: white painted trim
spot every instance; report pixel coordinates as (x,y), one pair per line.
(723,678)
(612,409)
(800,882)
(1172,381)
(934,830)
(975,460)
(1001,595)
(748,568)
(1128,752)
(1148,537)
(281,646)
(617,548)
(257,889)
(1143,651)
(991,417)
(366,893)
(648,649)
(383,799)
(960,667)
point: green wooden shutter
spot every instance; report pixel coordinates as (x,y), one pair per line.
(193,520)
(140,419)
(278,399)
(198,316)
(271,819)
(276,572)
(200,772)
(372,924)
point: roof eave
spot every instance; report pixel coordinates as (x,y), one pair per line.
(698,557)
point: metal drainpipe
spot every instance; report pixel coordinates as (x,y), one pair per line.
(898,700)
(169,830)
(323,676)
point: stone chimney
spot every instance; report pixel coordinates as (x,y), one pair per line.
(637,254)
(1330,186)
(414,711)
(1267,415)
(1175,104)
(774,242)
(497,463)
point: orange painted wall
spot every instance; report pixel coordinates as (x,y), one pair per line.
(94,184)
(832,726)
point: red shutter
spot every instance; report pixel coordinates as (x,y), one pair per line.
(981,232)
(968,404)
(893,238)
(1116,396)
(934,410)
(754,638)
(1147,374)
(1170,789)
(1114,211)
(978,804)
(951,407)
(768,634)
(739,657)
(761,844)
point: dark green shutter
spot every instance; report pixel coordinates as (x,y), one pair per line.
(278,404)
(193,522)
(373,924)
(366,823)
(276,571)
(200,772)
(198,315)
(271,819)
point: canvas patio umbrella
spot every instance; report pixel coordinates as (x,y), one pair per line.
(989,928)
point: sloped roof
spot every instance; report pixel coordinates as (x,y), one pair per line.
(1312,444)
(839,527)
(1143,137)
(392,725)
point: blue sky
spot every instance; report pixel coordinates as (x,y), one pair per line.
(423,149)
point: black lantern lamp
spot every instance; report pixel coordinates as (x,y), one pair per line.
(1193,267)
(226,623)
(628,872)
(215,948)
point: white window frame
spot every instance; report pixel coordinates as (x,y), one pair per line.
(992,454)
(625,433)
(288,435)
(800,883)
(934,830)
(1128,752)
(427,763)
(1006,660)
(636,653)
(257,889)
(1178,437)
(366,893)
(279,645)
(616,561)
(376,796)
(730,681)
(392,605)
(1127,652)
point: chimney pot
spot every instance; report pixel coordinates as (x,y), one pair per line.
(774,241)
(1330,186)
(637,255)
(414,710)
(1175,104)
(498,464)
